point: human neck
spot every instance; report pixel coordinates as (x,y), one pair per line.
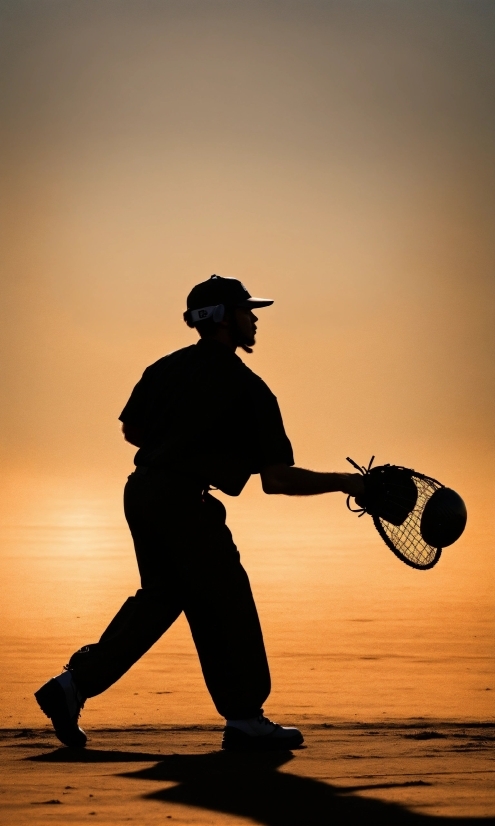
(223,336)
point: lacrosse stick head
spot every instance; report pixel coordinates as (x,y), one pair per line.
(415,515)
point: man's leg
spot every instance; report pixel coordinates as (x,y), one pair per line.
(139,623)
(227,634)
(145,617)
(136,627)
(224,622)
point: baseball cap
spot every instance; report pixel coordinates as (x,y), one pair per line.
(209,299)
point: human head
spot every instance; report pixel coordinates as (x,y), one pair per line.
(214,302)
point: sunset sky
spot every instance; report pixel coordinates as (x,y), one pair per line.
(335,155)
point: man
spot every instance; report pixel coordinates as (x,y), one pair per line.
(201,420)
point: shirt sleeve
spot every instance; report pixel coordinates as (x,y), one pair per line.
(272,443)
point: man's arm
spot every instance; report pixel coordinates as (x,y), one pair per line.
(296,481)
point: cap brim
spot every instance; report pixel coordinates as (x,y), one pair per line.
(250,303)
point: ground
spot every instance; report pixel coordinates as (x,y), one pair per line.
(407,772)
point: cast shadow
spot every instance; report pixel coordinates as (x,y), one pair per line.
(64,755)
(250,786)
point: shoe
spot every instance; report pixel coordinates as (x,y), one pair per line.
(60,700)
(259,734)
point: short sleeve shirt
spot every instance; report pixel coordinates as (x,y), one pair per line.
(201,400)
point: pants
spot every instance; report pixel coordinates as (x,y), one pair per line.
(187,562)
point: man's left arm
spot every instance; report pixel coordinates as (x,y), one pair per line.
(277,471)
(296,481)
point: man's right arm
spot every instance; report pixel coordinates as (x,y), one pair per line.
(296,481)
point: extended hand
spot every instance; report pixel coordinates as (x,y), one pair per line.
(353,484)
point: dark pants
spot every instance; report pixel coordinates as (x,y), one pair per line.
(188,562)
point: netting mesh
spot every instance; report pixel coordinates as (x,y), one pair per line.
(405,540)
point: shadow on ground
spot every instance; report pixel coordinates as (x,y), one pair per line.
(251,786)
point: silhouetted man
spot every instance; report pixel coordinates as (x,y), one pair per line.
(201,420)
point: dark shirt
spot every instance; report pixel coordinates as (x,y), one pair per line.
(200,408)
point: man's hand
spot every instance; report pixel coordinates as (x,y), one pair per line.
(295,481)
(353,484)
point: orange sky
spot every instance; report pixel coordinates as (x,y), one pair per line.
(334,155)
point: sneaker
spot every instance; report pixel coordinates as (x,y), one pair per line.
(60,700)
(259,734)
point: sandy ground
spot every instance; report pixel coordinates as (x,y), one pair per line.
(394,773)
